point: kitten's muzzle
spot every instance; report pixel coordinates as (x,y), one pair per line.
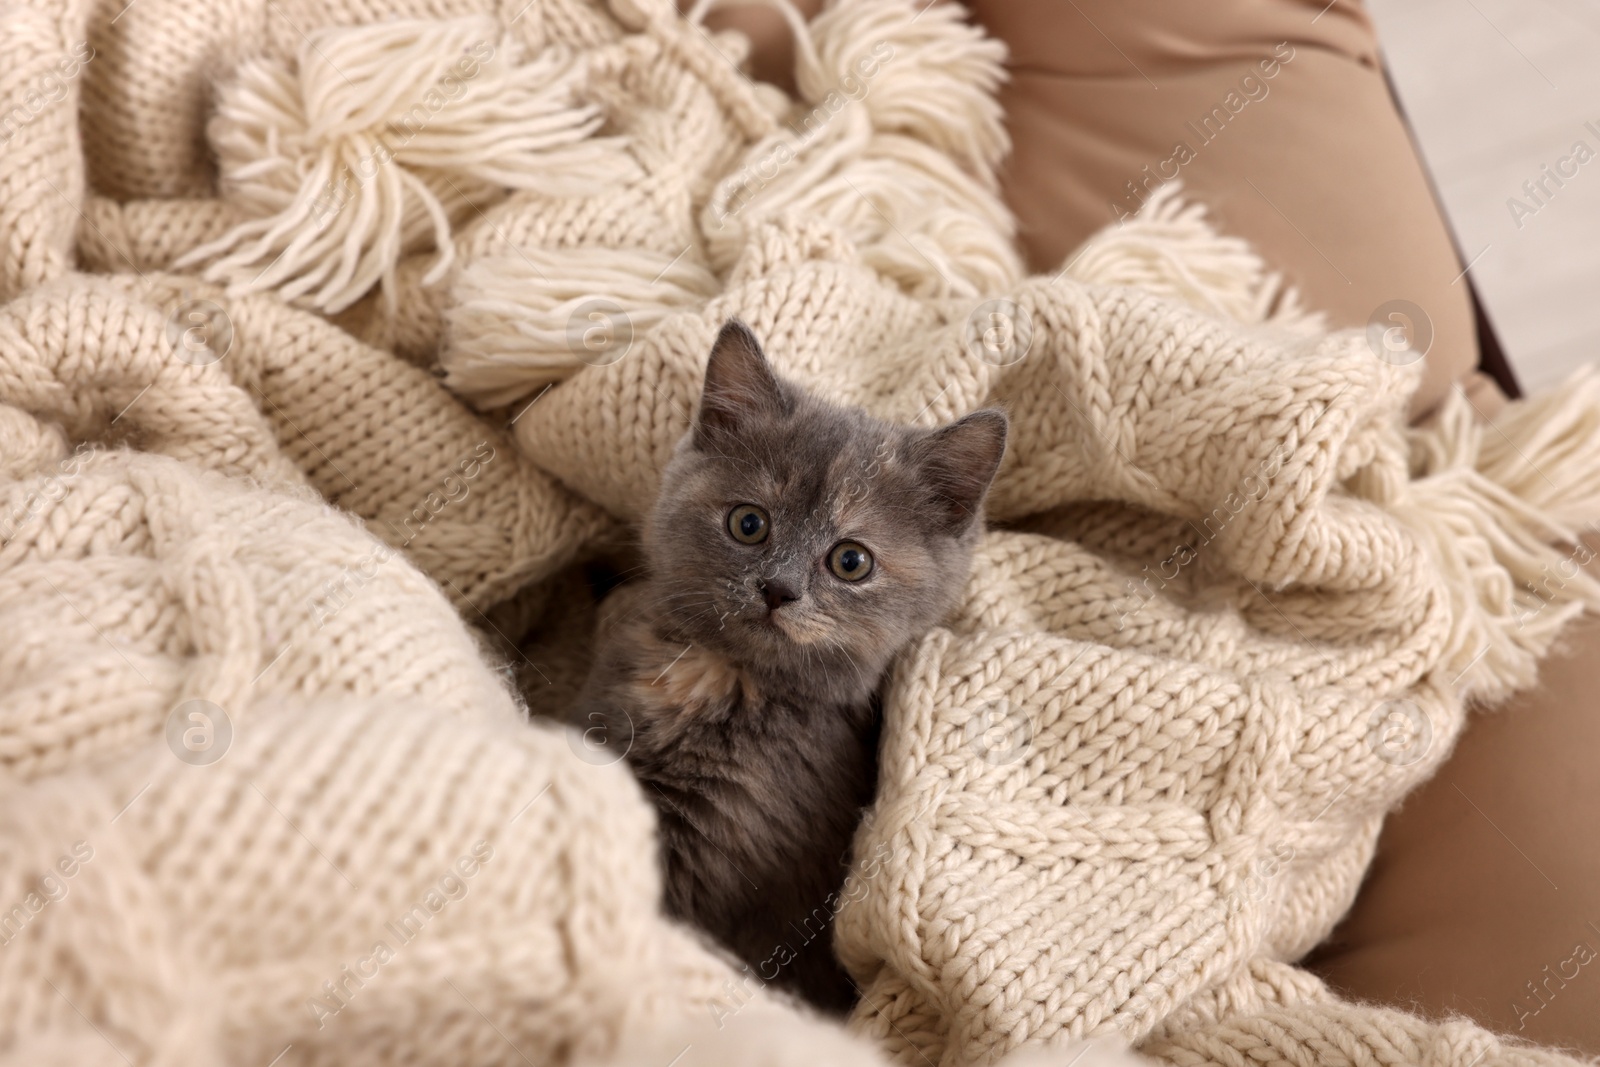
(776,592)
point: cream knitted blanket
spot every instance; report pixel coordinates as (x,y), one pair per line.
(265,797)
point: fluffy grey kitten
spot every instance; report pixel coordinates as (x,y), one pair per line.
(795,548)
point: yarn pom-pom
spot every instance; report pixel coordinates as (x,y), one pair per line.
(376,140)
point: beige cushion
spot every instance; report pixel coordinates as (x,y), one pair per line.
(1316,169)
(1485,896)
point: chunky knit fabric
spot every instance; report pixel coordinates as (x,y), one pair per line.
(264,798)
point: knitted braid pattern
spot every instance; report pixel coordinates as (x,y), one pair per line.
(264,796)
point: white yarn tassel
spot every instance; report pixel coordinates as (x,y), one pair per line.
(1545,449)
(911,182)
(922,221)
(1502,505)
(519,322)
(1170,248)
(380,137)
(942,83)
(914,215)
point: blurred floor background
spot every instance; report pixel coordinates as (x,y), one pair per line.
(1501,93)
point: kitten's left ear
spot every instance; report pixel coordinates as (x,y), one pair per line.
(740,386)
(960,460)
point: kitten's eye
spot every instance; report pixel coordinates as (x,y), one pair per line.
(850,561)
(748,524)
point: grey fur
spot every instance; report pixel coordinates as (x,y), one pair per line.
(760,751)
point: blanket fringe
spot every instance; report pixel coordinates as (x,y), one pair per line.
(1171,248)
(911,183)
(1501,506)
(939,85)
(380,137)
(521,322)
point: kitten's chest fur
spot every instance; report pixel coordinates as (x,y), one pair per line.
(758,789)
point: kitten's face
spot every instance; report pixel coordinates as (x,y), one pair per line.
(809,542)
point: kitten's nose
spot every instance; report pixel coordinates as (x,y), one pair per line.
(777,593)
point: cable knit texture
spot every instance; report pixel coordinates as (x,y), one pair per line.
(329,328)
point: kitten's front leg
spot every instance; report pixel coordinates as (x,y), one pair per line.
(604,724)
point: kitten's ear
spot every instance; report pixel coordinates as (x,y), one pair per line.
(957,462)
(740,386)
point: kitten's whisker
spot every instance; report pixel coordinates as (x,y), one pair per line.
(861,674)
(676,596)
(643,607)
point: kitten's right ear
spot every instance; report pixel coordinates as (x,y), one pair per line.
(959,461)
(740,386)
